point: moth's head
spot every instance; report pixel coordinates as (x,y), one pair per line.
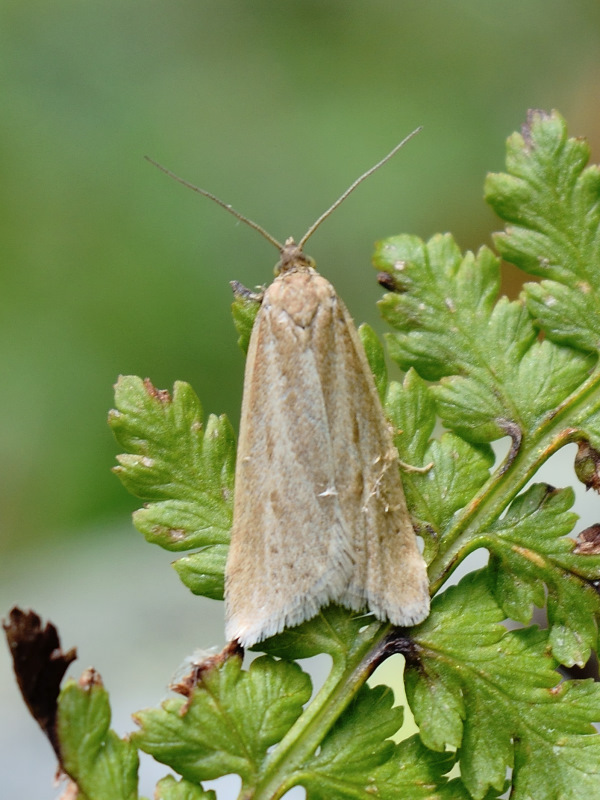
(292,257)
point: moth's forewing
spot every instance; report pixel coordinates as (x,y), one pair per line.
(319,512)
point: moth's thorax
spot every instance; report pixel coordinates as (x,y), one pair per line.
(293,259)
(298,296)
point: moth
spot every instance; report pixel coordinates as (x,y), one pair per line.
(320,514)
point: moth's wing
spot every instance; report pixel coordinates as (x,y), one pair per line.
(320,513)
(390,575)
(290,548)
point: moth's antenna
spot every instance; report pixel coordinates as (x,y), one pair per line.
(219,202)
(351,188)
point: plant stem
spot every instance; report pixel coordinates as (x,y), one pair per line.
(302,740)
(503,486)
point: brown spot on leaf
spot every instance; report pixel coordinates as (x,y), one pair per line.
(388,281)
(533,115)
(159,394)
(588,541)
(89,678)
(587,465)
(200,668)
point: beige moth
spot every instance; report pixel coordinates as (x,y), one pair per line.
(319,510)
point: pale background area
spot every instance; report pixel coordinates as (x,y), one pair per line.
(108,267)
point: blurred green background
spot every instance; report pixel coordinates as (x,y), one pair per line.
(109,267)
